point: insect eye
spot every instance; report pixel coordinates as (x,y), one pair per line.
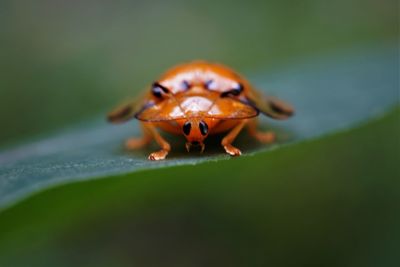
(158,90)
(203,128)
(186,128)
(234,91)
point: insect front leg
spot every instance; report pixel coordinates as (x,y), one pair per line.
(230,137)
(165,146)
(263,137)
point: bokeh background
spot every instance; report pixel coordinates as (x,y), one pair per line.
(65,61)
(326,202)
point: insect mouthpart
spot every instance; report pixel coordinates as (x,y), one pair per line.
(195,143)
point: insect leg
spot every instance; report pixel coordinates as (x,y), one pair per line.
(136,143)
(165,147)
(263,137)
(230,137)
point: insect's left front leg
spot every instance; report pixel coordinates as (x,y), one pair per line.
(230,137)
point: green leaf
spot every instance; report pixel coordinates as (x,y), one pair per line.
(326,202)
(329,94)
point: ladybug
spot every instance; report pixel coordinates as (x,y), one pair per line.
(199,99)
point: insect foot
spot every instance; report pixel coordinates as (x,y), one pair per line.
(158,155)
(233,151)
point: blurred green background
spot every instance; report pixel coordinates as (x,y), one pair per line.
(64,61)
(326,202)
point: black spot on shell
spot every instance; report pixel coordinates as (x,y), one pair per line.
(208,84)
(234,91)
(158,90)
(185,85)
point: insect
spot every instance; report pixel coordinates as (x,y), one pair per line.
(199,99)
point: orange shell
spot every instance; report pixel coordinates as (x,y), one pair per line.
(201,90)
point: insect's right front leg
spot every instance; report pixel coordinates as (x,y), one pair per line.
(165,146)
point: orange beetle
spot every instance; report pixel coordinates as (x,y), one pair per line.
(198,99)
